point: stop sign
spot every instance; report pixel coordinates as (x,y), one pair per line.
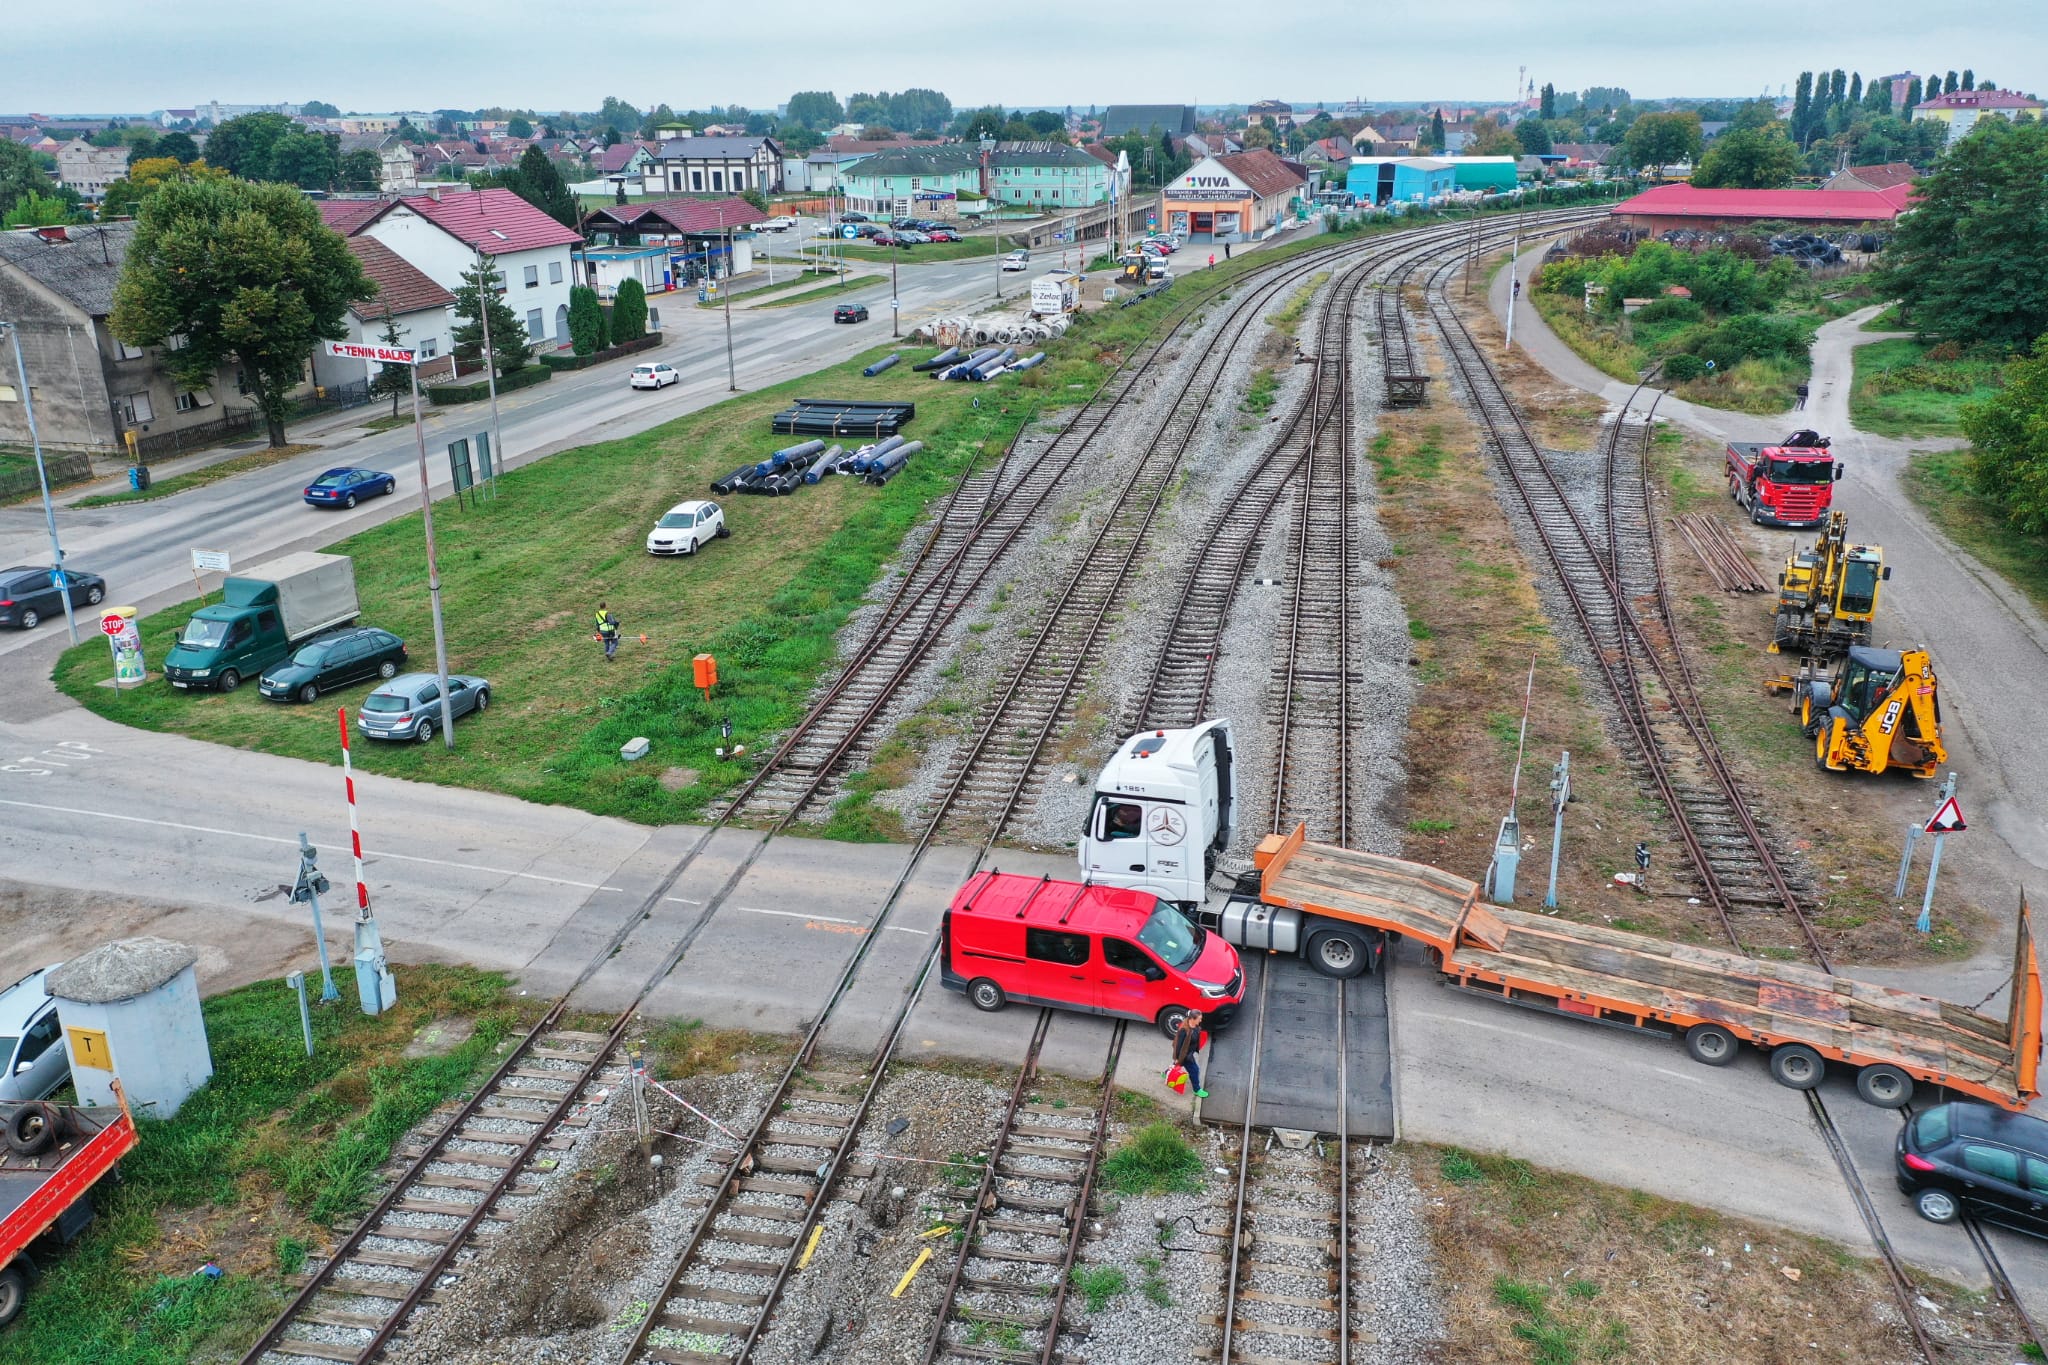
(113,624)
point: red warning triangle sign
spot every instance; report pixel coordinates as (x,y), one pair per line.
(1947,819)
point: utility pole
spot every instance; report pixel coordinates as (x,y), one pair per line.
(732,383)
(419,432)
(487,275)
(1560,794)
(35,440)
(895,302)
(1514,282)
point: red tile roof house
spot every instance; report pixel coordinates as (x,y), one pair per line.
(423,313)
(1685,206)
(442,234)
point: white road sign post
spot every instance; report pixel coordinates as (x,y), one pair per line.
(1946,820)
(401,355)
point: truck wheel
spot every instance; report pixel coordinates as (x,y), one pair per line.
(1170,1019)
(230,680)
(985,994)
(1756,514)
(13,1291)
(1336,953)
(1711,1045)
(1885,1086)
(33,1129)
(1797,1065)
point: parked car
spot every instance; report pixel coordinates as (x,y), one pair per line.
(1151,248)
(33,1062)
(1166,244)
(853,217)
(1096,949)
(850,312)
(944,235)
(28,597)
(654,375)
(915,238)
(1969,1157)
(883,237)
(333,660)
(776,225)
(684,528)
(1017,260)
(409,706)
(347,487)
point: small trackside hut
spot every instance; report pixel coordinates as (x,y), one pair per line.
(1713,998)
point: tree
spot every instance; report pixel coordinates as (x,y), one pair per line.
(1532,137)
(917,108)
(755,197)
(518,126)
(241,146)
(862,107)
(1970,263)
(247,274)
(616,113)
(360,170)
(178,146)
(1969,79)
(510,347)
(1802,109)
(816,109)
(798,140)
(312,161)
(586,320)
(2010,433)
(1259,135)
(1877,98)
(21,175)
(1856,88)
(983,122)
(1914,96)
(1748,159)
(1490,139)
(1436,130)
(629,312)
(1656,140)
(37,210)
(1547,107)
(319,109)
(1948,84)
(395,380)
(651,125)
(882,132)
(540,184)
(1752,114)
(1046,124)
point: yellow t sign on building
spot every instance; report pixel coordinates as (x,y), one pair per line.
(89,1048)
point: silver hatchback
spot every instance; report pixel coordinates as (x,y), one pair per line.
(409,706)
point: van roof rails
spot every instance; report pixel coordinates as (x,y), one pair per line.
(1034,895)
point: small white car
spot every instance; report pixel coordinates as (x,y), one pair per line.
(684,528)
(657,375)
(1017,260)
(31,1041)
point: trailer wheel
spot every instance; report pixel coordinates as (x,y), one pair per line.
(13,1290)
(1336,953)
(985,994)
(1711,1045)
(33,1129)
(1798,1066)
(1885,1086)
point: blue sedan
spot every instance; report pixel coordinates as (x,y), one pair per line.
(347,487)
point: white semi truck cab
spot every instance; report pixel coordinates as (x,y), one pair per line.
(1164,810)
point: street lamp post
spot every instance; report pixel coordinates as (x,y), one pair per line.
(732,383)
(490,375)
(419,432)
(35,441)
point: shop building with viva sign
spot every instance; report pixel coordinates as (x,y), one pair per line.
(1233,198)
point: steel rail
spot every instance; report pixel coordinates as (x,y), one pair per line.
(1244,1159)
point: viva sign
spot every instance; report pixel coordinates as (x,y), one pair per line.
(1206,187)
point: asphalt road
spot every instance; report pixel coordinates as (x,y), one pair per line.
(144,549)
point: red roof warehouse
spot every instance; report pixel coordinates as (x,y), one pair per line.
(1686,206)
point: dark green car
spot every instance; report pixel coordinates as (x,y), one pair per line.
(334,660)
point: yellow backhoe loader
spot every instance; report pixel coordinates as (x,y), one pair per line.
(1827,594)
(1878,712)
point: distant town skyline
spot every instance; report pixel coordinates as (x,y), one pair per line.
(132,56)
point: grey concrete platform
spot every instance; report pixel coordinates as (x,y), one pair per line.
(1298,1068)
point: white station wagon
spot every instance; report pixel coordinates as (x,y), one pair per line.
(684,528)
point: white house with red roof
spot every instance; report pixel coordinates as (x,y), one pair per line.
(421,312)
(441,235)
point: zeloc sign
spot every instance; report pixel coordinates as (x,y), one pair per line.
(389,355)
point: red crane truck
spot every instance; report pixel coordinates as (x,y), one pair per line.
(55,1154)
(1788,484)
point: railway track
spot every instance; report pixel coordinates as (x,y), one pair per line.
(1634,646)
(358,1301)
(1025,1222)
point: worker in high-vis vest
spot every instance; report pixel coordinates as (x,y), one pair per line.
(607,629)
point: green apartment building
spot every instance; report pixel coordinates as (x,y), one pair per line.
(927,182)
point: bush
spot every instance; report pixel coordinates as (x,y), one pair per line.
(629,312)
(1156,1160)
(1759,336)
(477,391)
(586,321)
(1681,367)
(1656,313)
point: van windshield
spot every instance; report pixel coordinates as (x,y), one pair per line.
(1171,938)
(205,634)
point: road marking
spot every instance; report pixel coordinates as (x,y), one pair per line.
(798,914)
(682,900)
(903,929)
(1678,1075)
(274,839)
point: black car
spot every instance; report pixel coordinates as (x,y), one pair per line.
(333,660)
(1975,1158)
(850,312)
(28,597)
(853,217)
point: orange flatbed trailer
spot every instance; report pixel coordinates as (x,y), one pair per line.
(1633,981)
(36,1192)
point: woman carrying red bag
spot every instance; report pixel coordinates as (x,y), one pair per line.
(1188,1041)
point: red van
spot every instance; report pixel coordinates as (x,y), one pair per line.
(1098,949)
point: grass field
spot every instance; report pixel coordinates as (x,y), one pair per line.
(258,1165)
(1899,391)
(197,478)
(1939,481)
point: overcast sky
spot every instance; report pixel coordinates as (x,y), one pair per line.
(97,56)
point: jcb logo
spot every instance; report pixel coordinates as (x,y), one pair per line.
(1891,717)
